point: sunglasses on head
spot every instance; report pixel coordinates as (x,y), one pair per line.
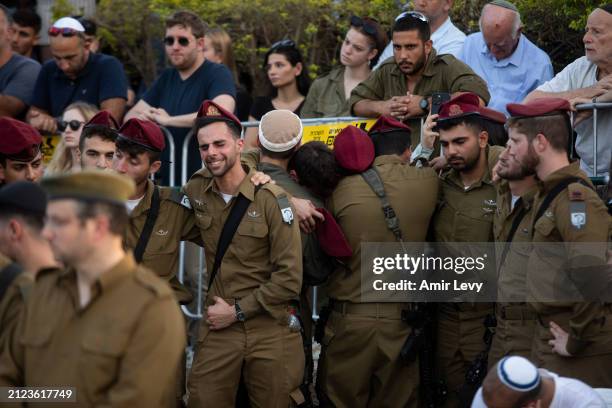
(183,41)
(73,124)
(413,14)
(282,44)
(366,24)
(64,32)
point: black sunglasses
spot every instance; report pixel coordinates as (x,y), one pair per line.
(183,41)
(367,26)
(413,14)
(282,44)
(74,125)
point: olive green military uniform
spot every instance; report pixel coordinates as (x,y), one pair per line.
(174,223)
(121,350)
(515,319)
(588,323)
(442,73)
(262,270)
(464,214)
(360,362)
(326,97)
(12,304)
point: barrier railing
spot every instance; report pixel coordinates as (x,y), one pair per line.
(595,107)
(172,147)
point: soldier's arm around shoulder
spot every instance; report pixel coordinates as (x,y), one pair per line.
(151,359)
(285,253)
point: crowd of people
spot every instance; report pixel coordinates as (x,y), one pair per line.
(475,140)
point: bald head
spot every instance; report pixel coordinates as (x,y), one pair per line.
(500,28)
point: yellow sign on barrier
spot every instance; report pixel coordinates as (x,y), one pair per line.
(49,144)
(327,132)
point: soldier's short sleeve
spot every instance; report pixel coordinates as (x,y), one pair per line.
(372,88)
(463,79)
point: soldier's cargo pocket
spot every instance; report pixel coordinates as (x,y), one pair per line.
(100,359)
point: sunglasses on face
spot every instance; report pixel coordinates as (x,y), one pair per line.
(73,124)
(283,44)
(414,15)
(64,32)
(367,26)
(183,41)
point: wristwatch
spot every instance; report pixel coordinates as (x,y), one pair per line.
(239,313)
(424,104)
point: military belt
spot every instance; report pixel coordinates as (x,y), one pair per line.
(517,312)
(390,310)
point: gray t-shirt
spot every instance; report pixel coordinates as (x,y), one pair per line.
(18,76)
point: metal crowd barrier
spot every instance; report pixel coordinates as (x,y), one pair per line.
(595,107)
(172,147)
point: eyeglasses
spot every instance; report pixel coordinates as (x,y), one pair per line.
(413,14)
(65,32)
(183,41)
(366,24)
(282,44)
(73,124)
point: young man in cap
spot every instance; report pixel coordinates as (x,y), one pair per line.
(249,322)
(571,229)
(97,143)
(105,326)
(20,154)
(352,369)
(465,212)
(402,87)
(139,146)
(75,74)
(22,211)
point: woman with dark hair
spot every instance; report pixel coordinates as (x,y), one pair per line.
(362,45)
(289,82)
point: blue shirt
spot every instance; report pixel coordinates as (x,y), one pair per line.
(510,79)
(179,97)
(102,78)
(17,77)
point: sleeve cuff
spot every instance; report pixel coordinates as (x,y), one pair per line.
(421,152)
(575,345)
(250,306)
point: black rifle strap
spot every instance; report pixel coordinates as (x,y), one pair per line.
(515,224)
(229,229)
(148,227)
(7,276)
(554,192)
(373,179)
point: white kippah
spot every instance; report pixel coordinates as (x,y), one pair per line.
(280,130)
(518,373)
(69,22)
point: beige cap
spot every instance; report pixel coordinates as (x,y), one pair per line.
(280,130)
(90,185)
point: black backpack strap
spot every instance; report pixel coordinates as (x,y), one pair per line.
(7,276)
(148,227)
(373,179)
(515,224)
(229,229)
(554,192)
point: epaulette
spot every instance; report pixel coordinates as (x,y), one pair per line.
(152,282)
(577,191)
(283,201)
(175,195)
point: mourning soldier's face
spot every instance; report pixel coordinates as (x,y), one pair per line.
(69,238)
(14,170)
(182,47)
(510,168)
(463,146)
(410,51)
(598,37)
(219,149)
(519,149)
(97,153)
(136,166)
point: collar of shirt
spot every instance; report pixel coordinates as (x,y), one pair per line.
(441,31)
(60,74)
(572,170)
(145,203)
(246,187)
(514,59)
(387,159)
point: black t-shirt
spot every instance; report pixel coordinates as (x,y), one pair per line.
(263,105)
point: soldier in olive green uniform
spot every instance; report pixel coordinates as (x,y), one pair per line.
(139,147)
(571,228)
(402,87)
(249,324)
(512,230)
(360,363)
(465,213)
(105,326)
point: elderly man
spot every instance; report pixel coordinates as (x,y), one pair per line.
(446,37)
(511,65)
(75,74)
(588,77)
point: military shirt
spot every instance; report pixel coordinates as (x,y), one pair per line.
(12,304)
(442,73)
(546,271)
(326,97)
(262,267)
(120,350)
(359,212)
(174,223)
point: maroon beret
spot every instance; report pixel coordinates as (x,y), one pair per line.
(211,112)
(386,124)
(18,140)
(353,149)
(103,118)
(538,107)
(468,104)
(144,133)
(331,237)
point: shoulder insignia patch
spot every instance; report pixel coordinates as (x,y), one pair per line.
(578,214)
(283,202)
(180,198)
